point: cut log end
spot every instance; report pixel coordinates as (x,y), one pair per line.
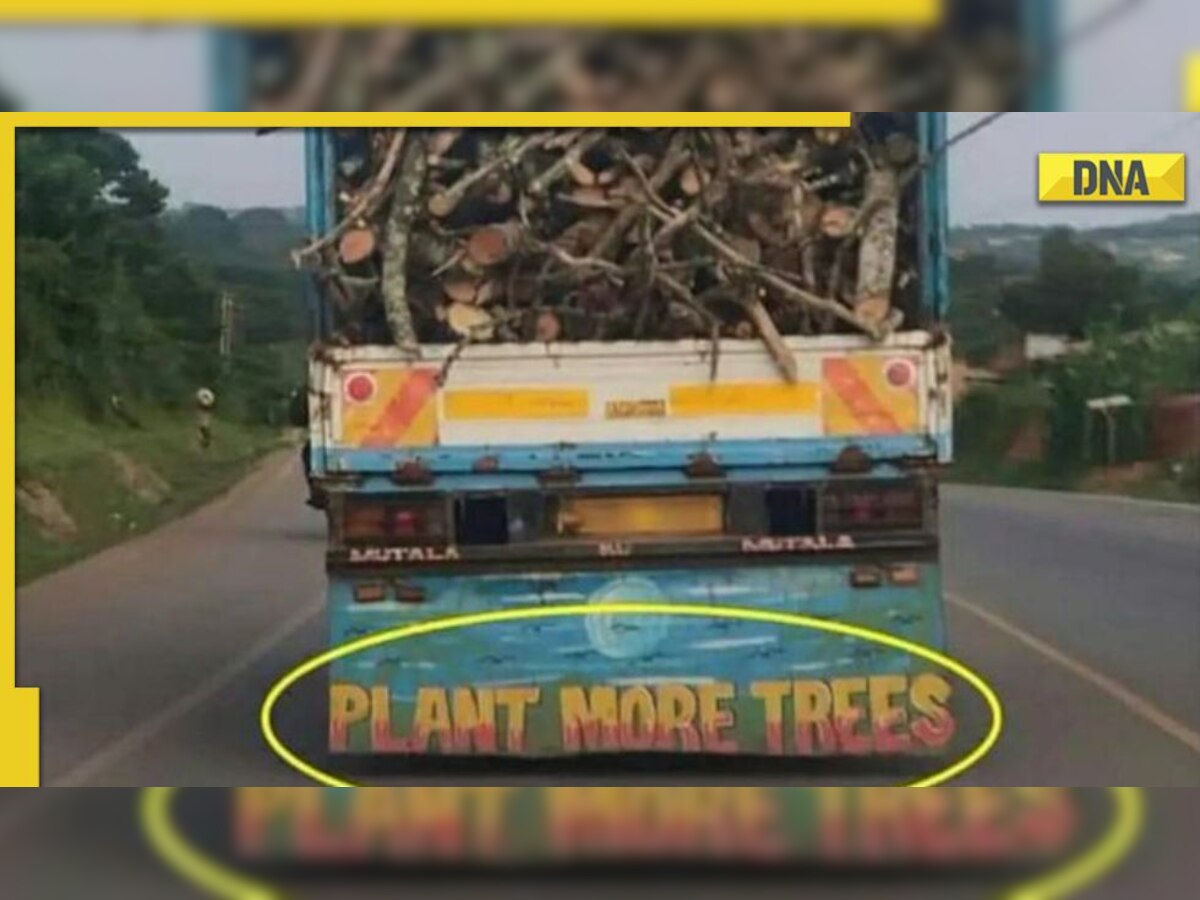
(441,205)
(462,289)
(494,244)
(470,322)
(357,245)
(547,328)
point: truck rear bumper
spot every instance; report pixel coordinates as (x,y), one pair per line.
(610,681)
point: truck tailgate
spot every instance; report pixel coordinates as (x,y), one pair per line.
(628,405)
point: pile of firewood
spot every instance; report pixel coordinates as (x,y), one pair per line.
(504,235)
(975,61)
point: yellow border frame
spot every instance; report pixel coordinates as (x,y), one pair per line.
(183,858)
(20,757)
(1191,83)
(462,13)
(19,707)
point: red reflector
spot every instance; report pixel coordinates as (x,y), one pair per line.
(370,593)
(901,373)
(360,387)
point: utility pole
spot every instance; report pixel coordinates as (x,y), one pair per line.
(227,310)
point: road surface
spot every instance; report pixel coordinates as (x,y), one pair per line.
(153,657)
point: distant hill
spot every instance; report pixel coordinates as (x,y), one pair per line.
(1169,247)
(248,252)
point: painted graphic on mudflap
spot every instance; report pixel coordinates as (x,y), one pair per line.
(640,683)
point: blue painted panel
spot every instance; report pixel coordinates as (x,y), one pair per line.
(1042,20)
(628,478)
(616,457)
(628,649)
(227,53)
(935,216)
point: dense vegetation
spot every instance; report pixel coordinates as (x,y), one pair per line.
(1137,334)
(1073,286)
(118,297)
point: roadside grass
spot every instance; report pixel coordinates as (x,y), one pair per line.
(80,462)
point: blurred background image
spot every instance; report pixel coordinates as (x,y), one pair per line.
(559,842)
(985,55)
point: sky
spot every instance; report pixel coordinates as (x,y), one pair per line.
(992,174)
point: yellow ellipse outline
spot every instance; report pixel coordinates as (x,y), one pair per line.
(201,871)
(529,613)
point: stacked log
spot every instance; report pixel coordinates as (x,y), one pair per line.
(507,235)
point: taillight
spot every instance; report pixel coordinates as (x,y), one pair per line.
(373,521)
(406,523)
(872,506)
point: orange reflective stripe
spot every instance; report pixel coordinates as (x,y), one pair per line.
(402,411)
(858,398)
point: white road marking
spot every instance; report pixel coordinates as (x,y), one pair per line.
(149,729)
(1132,701)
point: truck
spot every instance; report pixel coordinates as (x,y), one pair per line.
(476,476)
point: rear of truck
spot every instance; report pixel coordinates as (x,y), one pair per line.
(526,476)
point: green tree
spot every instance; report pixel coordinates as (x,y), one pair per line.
(116,295)
(979,329)
(88,250)
(1077,284)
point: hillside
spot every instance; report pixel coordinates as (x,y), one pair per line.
(1167,247)
(119,322)
(247,253)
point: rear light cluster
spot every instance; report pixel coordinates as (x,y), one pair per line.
(872,506)
(370,521)
(853,507)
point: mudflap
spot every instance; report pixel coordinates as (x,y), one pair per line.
(627,682)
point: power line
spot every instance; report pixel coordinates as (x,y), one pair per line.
(1089,29)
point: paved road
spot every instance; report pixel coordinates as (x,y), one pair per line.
(153,657)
